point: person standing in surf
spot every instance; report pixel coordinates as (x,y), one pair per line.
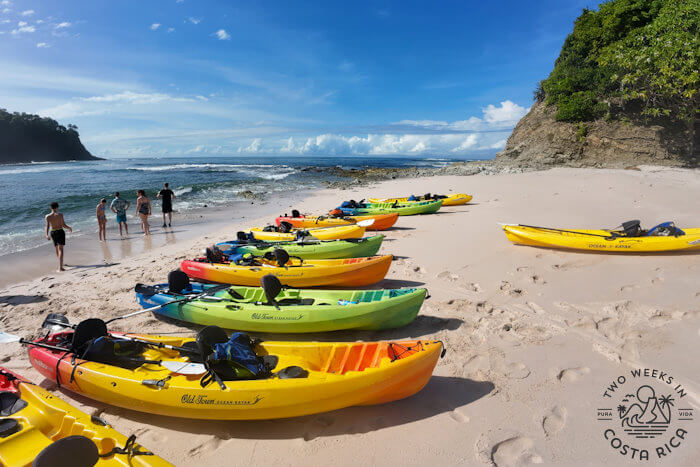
(168,196)
(55,224)
(119,206)
(143,209)
(101,219)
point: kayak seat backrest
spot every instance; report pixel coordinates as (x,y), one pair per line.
(10,403)
(85,332)
(72,451)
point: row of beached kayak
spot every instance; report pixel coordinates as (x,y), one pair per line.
(290,277)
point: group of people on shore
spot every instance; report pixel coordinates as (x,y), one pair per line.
(55,222)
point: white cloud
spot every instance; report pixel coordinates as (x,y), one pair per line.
(155,26)
(6,10)
(137,98)
(254,147)
(5,21)
(502,117)
(27,13)
(63,25)
(171,29)
(222,35)
(23,29)
(179,1)
(5,3)
(42,45)
(382,144)
(22,23)
(507,112)
(194,20)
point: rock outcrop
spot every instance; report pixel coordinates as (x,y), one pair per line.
(539,141)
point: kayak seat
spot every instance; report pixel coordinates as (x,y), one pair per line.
(72,451)
(10,403)
(9,426)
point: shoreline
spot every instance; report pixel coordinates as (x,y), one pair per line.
(533,335)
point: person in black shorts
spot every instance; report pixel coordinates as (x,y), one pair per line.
(55,224)
(168,196)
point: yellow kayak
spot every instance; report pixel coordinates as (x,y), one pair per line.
(40,428)
(338,374)
(601,240)
(340,232)
(455,199)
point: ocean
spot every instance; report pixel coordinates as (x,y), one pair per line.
(27,190)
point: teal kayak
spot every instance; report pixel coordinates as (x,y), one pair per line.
(309,249)
(293,310)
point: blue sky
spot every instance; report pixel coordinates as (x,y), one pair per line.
(181,77)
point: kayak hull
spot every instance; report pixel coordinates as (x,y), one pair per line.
(369,310)
(351,272)
(455,199)
(311,249)
(340,375)
(601,240)
(321,233)
(46,419)
(381,221)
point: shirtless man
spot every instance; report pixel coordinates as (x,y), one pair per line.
(56,223)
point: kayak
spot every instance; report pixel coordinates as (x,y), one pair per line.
(37,427)
(403,209)
(294,310)
(322,233)
(309,248)
(350,272)
(601,240)
(340,374)
(381,221)
(455,199)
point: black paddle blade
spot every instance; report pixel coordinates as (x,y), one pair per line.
(55,322)
(144,289)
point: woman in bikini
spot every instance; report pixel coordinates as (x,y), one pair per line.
(143,208)
(102,220)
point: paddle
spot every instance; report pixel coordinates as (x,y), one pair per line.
(608,237)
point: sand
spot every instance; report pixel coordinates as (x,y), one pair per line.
(534,336)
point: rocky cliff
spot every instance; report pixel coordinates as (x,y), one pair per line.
(539,141)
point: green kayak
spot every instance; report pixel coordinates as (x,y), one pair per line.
(291,311)
(410,208)
(309,249)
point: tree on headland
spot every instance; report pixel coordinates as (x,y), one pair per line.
(26,138)
(631,57)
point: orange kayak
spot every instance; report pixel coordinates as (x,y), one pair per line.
(350,272)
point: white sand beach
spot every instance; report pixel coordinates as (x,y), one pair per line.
(533,336)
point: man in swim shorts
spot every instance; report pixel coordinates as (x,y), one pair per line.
(119,206)
(54,231)
(167,194)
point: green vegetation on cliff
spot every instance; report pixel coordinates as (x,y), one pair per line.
(630,56)
(31,138)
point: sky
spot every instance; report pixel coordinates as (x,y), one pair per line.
(196,77)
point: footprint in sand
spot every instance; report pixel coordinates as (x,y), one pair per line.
(537,279)
(569,375)
(626,288)
(459,417)
(514,451)
(554,421)
(208,446)
(472,286)
(535,307)
(508,288)
(448,276)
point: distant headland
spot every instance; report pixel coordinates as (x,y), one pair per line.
(28,138)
